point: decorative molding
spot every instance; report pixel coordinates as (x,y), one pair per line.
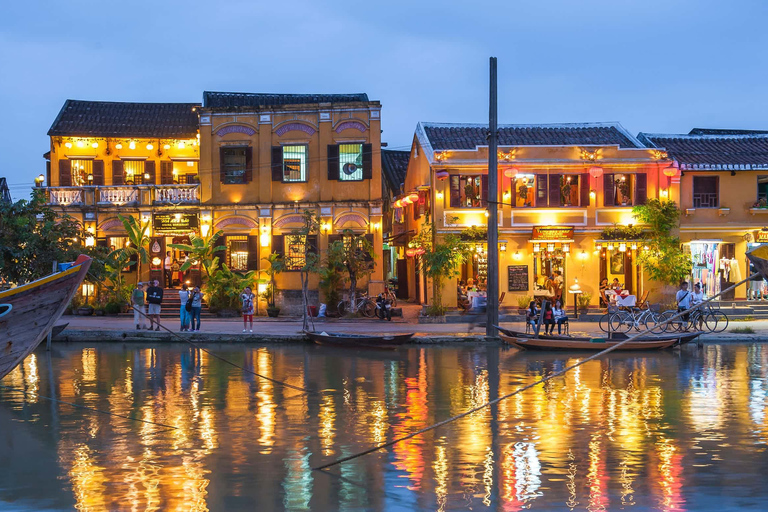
(375,114)
(326,211)
(265,212)
(289,127)
(236,128)
(351,125)
(111,224)
(205,119)
(325,116)
(288,219)
(238,220)
(351,217)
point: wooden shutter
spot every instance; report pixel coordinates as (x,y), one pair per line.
(367,161)
(277,163)
(312,245)
(608,197)
(48,172)
(416,213)
(455,191)
(641,188)
(253,252)
(541,190)
(117,172)
(166,173)
(248,164)
(554,190)
(98,172)
(149,168)
(222,169)
(333,161)
(484,190)
(278,246)
(584,189)
(65,173)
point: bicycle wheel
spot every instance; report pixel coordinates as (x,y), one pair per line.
(621,322)
(368,308)
(716,321)
(603,323)
(666,325)
(650,321)
(342,307)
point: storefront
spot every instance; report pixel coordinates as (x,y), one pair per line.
(551,246)
(713,262)
(757,289)
(172,229)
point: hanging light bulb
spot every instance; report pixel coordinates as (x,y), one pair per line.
(181,145)
(150,147)
(118,146)
(95,145)
(68,145)
(80,144)
(167,147)
(132,145)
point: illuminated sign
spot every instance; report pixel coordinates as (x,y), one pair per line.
(175,221)
(761,237)
(552,233)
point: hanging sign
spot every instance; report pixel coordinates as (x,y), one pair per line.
(552,233)
(517,278)
(174,221)
(761,237)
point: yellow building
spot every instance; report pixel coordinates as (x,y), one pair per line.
(560,187)
(247,164)
(724,199)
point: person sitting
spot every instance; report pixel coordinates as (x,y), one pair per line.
(603,288)
(559,315)
(532,315)
(549,319)
(461,297)
(616,285)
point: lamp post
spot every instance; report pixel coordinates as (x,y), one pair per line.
(39,181)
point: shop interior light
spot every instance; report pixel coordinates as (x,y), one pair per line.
(95,145)
(132,145)
(118,146)
(566,248)
(150,147)
(68,145)
(517,256)
(551,247)
(623,247)
(80,144)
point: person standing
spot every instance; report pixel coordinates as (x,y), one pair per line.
(175,274)
(683,299)
(167,262)
(139,312)
(247,298)
(184,315)
(197,305)
(155,299)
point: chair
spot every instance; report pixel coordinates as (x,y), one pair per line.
(501,298)
(644,300)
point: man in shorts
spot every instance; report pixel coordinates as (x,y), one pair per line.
(155,299)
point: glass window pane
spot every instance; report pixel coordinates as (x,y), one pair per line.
(295,251)
(569,190)
(234,165)
(705,192)
(237,248)
(134,172)
(525,188)
(294,163)
(185,172)
(81,170)
(350,162)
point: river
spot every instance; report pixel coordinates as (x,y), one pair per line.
(674,430)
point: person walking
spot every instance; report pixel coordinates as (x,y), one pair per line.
(197,305)
(139,312)
(167,262)
(184,315)
(155,299)
(247,298)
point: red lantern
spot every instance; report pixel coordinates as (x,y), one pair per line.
(670,171)
(410,252)
(441,175)
(413,197)
(511,172)
(420,251)
(595,171)
(405,201)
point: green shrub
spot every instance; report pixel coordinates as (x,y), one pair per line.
(223,289)
(112,308)
(743,330)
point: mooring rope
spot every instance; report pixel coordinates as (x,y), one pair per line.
(78,406)
(520,390)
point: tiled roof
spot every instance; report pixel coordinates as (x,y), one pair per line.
(265,100)
(120,119)
(469,136)
(713,152)
(394,164)
(720,131)
(5,193)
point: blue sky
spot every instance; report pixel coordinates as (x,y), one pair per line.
(653,65)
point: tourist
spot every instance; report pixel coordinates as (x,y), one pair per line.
(603,289)
(616,285)
(247,298)
(559,315)
(155,299)
(137,301)
(197,306)
(167,270)
(698,296)
(183,313)
(549,319)
(683,299)
(533,313)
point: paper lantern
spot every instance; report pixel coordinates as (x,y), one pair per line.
(511,172)
(670,171)
(413,197)
(420,251)
(595,171)
(441,175)
(398,204)
(411,252)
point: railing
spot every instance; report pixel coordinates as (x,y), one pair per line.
(118,195)
(65,196)
(176,194)
(705,200)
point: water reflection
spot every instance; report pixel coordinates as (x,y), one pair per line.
(670,431)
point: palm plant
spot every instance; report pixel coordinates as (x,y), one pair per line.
(224,287)
(276,265)
(138,241)
(202,249)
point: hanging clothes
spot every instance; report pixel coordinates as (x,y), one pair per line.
(735,271)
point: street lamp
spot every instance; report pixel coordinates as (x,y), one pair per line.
(39,181)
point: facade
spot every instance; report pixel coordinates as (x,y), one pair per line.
(724,200)
(394,165)
(246,164)
(560,188)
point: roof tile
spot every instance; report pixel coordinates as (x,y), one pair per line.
(714,152)
(224,100)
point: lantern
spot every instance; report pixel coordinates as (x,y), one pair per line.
(398,204)
(670,171)
(410,252)
(413,197)
(441,175)
(623,247)
(511,172)
(420,251)
(595,171)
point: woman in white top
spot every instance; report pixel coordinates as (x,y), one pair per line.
(183,313)
(698,296)
(559,315)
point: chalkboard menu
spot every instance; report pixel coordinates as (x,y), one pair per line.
(517,278)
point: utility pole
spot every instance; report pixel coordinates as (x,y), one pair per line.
(493,203)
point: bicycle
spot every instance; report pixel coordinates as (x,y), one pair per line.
(365,305)
(389,294)
(705,318)
(640,319)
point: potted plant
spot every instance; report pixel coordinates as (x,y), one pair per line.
(86,310)
(583,301)
(522,303)
(112,308)
(522,192)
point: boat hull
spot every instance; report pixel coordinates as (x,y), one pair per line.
(34,310)
(596,345)
(359,340)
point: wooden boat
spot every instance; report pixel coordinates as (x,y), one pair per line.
(341,339)
(591,344)
(28,312)
(680,339)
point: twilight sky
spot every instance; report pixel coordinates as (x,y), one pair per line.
(653,65)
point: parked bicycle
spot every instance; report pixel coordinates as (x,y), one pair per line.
(639,319)
(389,294)
(705,318)
(365,305)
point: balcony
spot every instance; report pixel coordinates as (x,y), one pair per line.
(131,195)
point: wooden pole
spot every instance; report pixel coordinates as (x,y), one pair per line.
(492,309)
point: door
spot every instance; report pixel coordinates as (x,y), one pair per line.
(402,278)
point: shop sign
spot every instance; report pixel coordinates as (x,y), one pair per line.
(552,233)
(517,278)
(175,221)
(761,237)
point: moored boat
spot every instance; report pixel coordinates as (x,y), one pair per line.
(680,338)
(591,344)
(359,340)
(28,312)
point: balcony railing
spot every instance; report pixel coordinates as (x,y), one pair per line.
(138,195)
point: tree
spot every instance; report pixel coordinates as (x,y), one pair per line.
(664,260)
(356,255)
(33,236)
(138,241)
(331,274)
(202,249)
(311,259)
(439,261)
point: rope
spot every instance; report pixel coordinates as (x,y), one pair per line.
(78,406)
(519,390)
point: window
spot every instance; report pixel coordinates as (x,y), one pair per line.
(622,189)
(185,172)
(762,188)
(468,191)
(525,188)
(569,190)
(350,162)
(134,172)
(705,192)
(295,251)
(233,161)
(295,163)
(237,252)
(82,172)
